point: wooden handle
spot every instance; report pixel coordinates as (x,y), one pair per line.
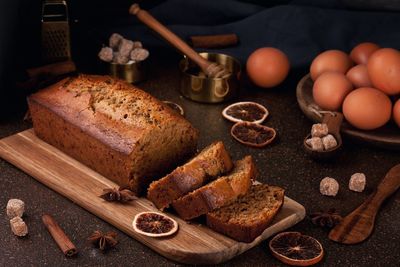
(334,122)
(389,184)
(169,36)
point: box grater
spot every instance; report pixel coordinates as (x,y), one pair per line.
(56,44)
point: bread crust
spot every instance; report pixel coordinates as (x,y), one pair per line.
(113,127)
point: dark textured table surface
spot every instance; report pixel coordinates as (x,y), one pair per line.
(283,163)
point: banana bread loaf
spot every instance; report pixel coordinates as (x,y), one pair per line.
(217,193)
(114,128)
(248,216)
(211,162)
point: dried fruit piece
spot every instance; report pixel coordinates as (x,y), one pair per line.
(253,134)
(245,111)
(296,249)
(175,107)
(154,224)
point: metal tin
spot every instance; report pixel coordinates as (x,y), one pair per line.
(56,43)
(132,72)
(210,90)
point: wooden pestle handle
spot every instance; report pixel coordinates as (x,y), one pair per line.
(172,38)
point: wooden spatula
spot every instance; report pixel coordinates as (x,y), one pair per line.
(358,225)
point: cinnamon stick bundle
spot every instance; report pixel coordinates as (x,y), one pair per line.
(62,240)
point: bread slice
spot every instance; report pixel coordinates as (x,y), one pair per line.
(248,216)
(217,193)
(210,163)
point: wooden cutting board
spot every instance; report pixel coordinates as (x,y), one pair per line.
(193,243)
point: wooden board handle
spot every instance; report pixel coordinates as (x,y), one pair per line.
(169,36)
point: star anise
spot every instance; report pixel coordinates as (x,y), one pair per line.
(103,241)
(118,195)
(327,219)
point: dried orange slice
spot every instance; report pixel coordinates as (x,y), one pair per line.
(154,224)
(294,248)
(253,134)
(245,111)
(175,107)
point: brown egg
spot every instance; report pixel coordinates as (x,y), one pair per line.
(362,52)
(367,108)
(396,112)
(267,67)
(330,89)
(384,70)
(330,60)
(358,76)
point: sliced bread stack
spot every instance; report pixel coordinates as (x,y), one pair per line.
(210,184)
(210,163)
(217,193)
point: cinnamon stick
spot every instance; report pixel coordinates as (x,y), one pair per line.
(52,70)
(214,41)
(62,240)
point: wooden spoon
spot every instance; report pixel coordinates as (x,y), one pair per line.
(211,69)
(333,120)
(358,225)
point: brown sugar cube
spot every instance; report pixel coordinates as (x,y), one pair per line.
(315,143)
(125,47)
(139,54)
(357,182)
(15,208)
(120,59)
(329,187)
(329,142)
(115,40)
(18,226)
(137,44)
(106,54)
(319,130)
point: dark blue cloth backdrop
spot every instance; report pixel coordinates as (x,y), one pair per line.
(301,31)
(301,28)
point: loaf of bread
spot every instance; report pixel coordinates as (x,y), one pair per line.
(114,128)
(217,193)
(210,163)
(248,216)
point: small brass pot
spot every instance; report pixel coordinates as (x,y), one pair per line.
(210,90)
(132,72)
